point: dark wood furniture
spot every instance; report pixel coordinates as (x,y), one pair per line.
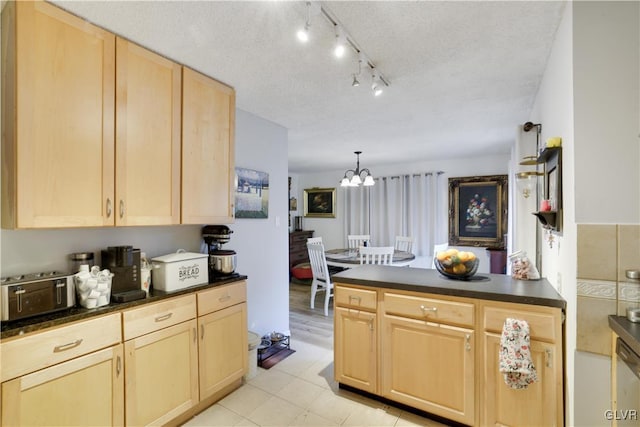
(298,247)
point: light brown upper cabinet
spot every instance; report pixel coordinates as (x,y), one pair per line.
(208,127)
(58,77)
(147,179)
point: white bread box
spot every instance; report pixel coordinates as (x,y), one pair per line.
(179,270)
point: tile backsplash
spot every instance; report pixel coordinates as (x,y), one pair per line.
(605,252)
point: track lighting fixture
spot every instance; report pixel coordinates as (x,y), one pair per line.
(376,83)
(342,41)
(312,10)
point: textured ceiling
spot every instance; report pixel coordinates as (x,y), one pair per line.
(463,74)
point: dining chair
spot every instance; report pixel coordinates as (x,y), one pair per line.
(357,240)
(438,248)
(321,279)
(376,255)
(314,240)
(404,243)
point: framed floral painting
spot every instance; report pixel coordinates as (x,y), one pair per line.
(478,211)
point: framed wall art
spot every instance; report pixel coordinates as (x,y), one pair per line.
(320,203)
(478,211)
(252,194)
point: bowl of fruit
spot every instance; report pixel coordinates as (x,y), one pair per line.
(455,264)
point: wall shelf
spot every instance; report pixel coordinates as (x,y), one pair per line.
(552,160)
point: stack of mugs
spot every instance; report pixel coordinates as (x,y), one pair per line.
(93,286)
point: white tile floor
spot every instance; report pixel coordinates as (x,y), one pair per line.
(300,391)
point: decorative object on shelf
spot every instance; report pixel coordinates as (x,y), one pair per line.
(252,194)
(551,216)
(343,40)
(478,210)
(554,141)
(320,202)
(527,181)
(357,176)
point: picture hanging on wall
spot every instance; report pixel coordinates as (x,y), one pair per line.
(478,211)
(320,203)
(252,194)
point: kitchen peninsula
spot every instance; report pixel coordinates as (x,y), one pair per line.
(417,338)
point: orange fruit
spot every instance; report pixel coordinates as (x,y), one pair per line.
(459,269)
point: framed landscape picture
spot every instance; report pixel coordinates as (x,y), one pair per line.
(320,203)
(252,194)
(478,211)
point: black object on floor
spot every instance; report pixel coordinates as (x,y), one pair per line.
(270,360)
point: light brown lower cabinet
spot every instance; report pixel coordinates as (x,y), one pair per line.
(161,369)
(440,354)
(87,389)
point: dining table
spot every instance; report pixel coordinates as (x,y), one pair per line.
(349,258)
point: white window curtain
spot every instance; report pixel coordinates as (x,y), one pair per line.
(407,205)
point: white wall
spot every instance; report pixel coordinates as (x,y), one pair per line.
(262,244)
(332,229)
(553,108)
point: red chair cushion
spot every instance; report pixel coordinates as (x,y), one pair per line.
(302,271)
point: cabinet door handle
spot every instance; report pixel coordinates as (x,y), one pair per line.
(121,208)
(549,357)
(118,366)
(467,342)
(108,207)
(425,309)
(67,346)
(355,298)
(164,317)
(201,332)
(195,335)
(224,298)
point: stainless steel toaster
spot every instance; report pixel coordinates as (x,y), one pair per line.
(35,294)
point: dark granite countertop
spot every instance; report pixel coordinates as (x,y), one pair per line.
(23,326)
(627,330)
(496,287)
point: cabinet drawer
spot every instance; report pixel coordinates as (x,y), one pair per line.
(435,310)
(153,317)
(221,297)
(355,298)
(542,326)
(300,237)
(39,350)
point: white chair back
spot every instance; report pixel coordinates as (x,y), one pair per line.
(321,278)
(314,240)
(356,240)
(404,243)
(438,248)
(376,255)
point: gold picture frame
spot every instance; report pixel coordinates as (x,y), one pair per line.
(478,211)
(320,203)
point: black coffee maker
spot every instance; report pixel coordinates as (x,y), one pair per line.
(124,263)
(222,263)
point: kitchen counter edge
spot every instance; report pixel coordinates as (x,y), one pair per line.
(494,287)
(24,326)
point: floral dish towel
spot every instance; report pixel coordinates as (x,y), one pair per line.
(515,355)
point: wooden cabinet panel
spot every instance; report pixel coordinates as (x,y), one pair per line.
(434,310)
(543,325)
(540,404)
(208,162)
(22,355)
(148,97)
(359,299)
(221,297)
(58,118)
(82,391)
(430,367)
(162,374)
(222,348)
(356,349)
(153,317)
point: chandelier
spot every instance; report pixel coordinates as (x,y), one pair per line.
(353,178)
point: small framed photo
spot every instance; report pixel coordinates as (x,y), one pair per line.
(320,203)
(478,210)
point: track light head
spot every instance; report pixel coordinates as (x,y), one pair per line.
(341,42)
(303,34)
(355,81)
(376,83)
